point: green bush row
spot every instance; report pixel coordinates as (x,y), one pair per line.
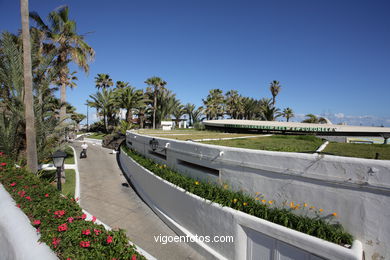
(60,220)
(316,226)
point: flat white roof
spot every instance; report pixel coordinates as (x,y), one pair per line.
(293,126)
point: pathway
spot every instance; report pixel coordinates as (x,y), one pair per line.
(104,196)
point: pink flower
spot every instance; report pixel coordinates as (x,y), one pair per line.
(47,195)
(21,193)
(84,216)
(1,153)
(18,205)
(86,232)
(70,220)
(85,243)
(133,257)
(12,184)
(93,218)
(3,164)
(97,231)
(37,222)
(62,227)
(109,240)
(56,241)
(28,198)
(77,199)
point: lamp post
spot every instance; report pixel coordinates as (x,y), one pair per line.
(58,160)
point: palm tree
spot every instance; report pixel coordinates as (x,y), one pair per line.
(31,143)
(234,104)
(189,109)
(69,45)
(214,103)
(129,98)
(311,118)
(178,112)
(103,81)
(122,84)
(250,108)
(158,85)
(197,114)
(104,102)
(288,113)
(267,110)
(275,89)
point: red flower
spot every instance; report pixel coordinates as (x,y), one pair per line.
(59,213)
(77,199)
(47,195)
(3,164)
(86,232)
(18,205)
(1,153)
(84,216)
(12,184)
(93,218)
(21,193)
(85,243)
(62,227)
(70,219)
(28,198)
(97,231)
(56,241)
(68,258)
(109,239)
(36,222)
(133,257)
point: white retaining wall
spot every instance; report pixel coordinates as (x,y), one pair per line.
(357,189)
(18,239)
(191,215)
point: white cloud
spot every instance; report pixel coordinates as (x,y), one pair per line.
(339,115)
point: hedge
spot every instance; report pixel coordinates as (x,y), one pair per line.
(60,221)
(318,226)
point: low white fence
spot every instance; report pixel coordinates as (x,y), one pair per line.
(190,215)
(18,239)
(358,190)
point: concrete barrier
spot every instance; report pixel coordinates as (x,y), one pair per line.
(357,189)
(190,215)
(18,239)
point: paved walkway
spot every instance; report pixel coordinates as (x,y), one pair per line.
(104,196)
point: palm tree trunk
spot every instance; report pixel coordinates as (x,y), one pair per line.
(63,100)
(154,110)
(129,116)
(31,142)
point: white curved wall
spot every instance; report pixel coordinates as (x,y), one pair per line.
(357,189)
(18,239)
(189,214)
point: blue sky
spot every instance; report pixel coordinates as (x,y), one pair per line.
(331,57)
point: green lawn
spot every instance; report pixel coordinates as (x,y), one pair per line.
(98,136)
(359,150)
(70,156)
(68,187)
(283,143)
(189,134)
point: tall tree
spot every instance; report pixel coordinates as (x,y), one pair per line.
(288,113)
(129,98)
(275,89)
(103,81)
(158,84)
(189,109)
(267,110)
(214,103)
(31,143)
(104,102)
(234,104)
(70,46)
(178,112)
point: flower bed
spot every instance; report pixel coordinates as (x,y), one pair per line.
(318,226)
(60,220)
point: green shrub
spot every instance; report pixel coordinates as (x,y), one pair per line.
(316,226)
(60,220)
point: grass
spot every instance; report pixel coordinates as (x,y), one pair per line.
(70,156)
(189,134)
(282,143)
(367,151)
(68,187)
(98,136)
